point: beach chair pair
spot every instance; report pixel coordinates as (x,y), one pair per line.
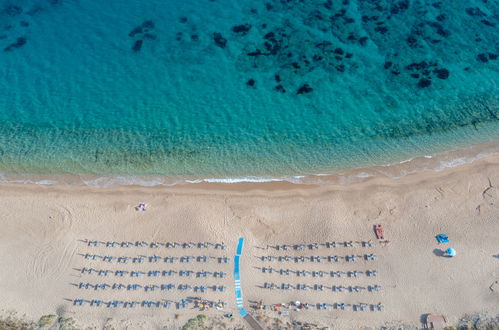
(301,287)
(442,238)
(141,207)
(360,307)
(331,245)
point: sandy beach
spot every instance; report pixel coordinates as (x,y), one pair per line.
(46,229)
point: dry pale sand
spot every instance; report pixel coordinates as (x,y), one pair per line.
(40,247)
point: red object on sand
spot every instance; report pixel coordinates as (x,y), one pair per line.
(380,232)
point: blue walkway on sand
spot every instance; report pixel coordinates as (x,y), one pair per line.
(237,279)
(240,246)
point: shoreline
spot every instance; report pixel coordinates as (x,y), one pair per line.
(427,163)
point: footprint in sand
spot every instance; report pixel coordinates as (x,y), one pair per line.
(54,254)
(491,196)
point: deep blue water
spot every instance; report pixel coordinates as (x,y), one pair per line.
(223,88)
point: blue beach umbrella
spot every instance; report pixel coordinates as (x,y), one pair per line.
(451,252)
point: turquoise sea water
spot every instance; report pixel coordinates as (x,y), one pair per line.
(200,88)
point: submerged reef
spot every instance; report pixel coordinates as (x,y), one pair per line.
(296,41)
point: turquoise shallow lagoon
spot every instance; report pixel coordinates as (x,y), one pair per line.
(242,88)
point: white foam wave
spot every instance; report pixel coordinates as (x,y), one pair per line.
(342,178)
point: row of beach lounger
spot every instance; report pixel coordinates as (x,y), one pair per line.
(318,273)
(360,307)
(152,259)
(182,304)
(154,273)
(329,245)
(348,258)
(320,287)
(170,245)
(151,287)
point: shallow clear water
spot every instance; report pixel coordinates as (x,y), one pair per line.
(226,88)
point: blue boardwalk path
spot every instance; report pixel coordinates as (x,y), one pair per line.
(239,293)
(237,278)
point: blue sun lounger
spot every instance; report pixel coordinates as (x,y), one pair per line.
(442,238)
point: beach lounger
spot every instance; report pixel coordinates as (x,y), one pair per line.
(155,245)
(130,304)
(341,306)
(136,273)
(133,287)
(150,287)
(313,246)
(299,259)
(202,259)
(338,288)
(93,243)
(371,273)
(357,288)
(147,303)
(318,287)
(220,246)
(322,306)
(154,259)
(332,258)
(351,258)
(335,274)
(442,238)
(330,245)
(301,287)
(348,244)
(367,244)
(87,270)
(102,286)
(167,287)
(223,260)
(369,256)
(373,288)
(353,274)
(379,231)
(185,273)
(219,274)
(299,247)
(78,302)
(113,303)
(140,244)
(184,287)
(95,302)
(200,288)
